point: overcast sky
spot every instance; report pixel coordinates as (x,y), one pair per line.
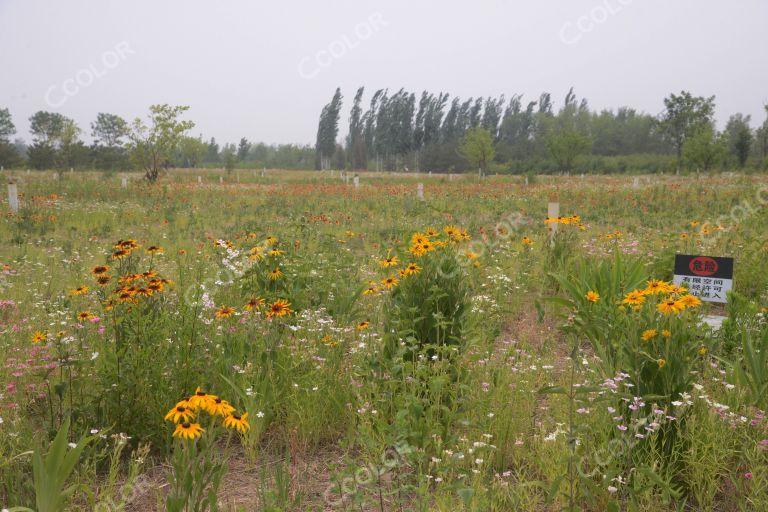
(263,70)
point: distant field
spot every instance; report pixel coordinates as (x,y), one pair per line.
(392,352)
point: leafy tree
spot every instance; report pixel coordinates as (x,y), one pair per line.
(230,160)
(705,148)
(192,151)
(740,138)
(6,126)
(212,155)
(355,139)
(153,145)
(8,154)
(108,132)
(41,155)
(565,146)
(685,114)
(477,148)
(71,150)
(327,130)
(242,149)
(46,127)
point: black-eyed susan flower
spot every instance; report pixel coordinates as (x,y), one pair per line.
(201,400)
(275,252)
(389,282)
(180,412)
(253,303)
(527,241)
(220,407)
(670,306)
(39,337)
(80,290)
(188,431)
(84,316)
(224,312)
(690,301)
(154,249)
(99,270)
(237,422)
(633,298)
(656,286)
(279,308)
(363,325)
(275,274)
(389,261)
(103,280)
(412,269)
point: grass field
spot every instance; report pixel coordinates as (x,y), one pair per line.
(390,353)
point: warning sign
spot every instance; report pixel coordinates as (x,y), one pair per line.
(708,278)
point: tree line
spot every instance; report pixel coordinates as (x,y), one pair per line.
(434,132)
(160,141)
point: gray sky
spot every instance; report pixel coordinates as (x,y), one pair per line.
(264,70)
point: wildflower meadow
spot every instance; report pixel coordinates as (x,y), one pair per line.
(303,341)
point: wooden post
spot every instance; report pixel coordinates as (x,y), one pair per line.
(13,197)
(221,180)
(526,180)
(635,182)
(199,180)
(124,183)
(356,181)
(420,191)
(553,212)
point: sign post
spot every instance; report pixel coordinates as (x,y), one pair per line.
(709,278)
(420,191)
(13,197)
(553,212)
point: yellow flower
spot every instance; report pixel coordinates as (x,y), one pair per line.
(39,337)
(662,363)
(633,298)
(201,400)
(84,316)
(80,290)
(389,282)
(370,290)
(275,274)
(224,312)
(670,306)
(220,407)
(648,334)
(181,411)
(592,296)
(363,325)
(188,430)
(389,261)
(154,249)
(255,254)
(254,303)
(656,286)
(271,240)
(279,308)
(470,255)
(412,269)
(702,350)
(99,270)
(690,301)
(666,333)
(527,241)
(239,423)
(275,252)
